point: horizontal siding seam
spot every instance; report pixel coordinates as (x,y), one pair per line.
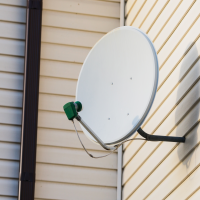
(10,178)
(11,22)
(61,95)
(14,39)
(79,13)
(3,54)
(68,45)
(73,148)
(56,77)
(49,163)
(81,184)
(64,95)
(67,61)
(10,124)
(9,142)
(76,13)
(8,196)
(10,72)
(73,29)
(12,5)
(15,90)
(56,128)
(78,166)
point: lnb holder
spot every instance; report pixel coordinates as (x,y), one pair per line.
(72,108)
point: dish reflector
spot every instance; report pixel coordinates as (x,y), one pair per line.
(117,84)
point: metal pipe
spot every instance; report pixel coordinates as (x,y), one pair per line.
(120,149)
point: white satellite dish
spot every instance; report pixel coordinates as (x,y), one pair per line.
(117,86)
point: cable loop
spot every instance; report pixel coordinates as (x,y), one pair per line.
(116,146)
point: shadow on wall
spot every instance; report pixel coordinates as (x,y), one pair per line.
(188,110)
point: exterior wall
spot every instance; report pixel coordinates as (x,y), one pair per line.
(161,170)
(63,169)
(12,41)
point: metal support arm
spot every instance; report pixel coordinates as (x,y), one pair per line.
(93,134)
(160,138)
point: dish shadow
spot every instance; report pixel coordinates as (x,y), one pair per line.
(188,113)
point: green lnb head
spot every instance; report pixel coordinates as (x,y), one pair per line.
(71,109)
(78,106)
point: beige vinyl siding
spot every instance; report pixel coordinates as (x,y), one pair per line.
(12,42)
(70,28)
(161,170)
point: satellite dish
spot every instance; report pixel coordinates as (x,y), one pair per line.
(116,86)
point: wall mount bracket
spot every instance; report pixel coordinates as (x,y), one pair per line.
(71,109)
(160,138)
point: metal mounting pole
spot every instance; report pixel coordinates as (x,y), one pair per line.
(160,138)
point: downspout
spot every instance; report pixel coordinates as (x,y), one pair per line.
(30,101)
(120,150)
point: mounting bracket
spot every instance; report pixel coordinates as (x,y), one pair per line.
(160,138)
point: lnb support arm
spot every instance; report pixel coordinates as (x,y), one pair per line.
(93,134)
(160,138)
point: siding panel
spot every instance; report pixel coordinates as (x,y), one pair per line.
(87,7)
(14,2)
(161,118)
(49,190)
(70,29)
(70,37)
(11,64)
(62,138)
(64,53)
(79,22)
(161,170)
(195,196)
(74,157)
(76,175)
(12,30)
(12,14)
(12,35)
(188,186)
